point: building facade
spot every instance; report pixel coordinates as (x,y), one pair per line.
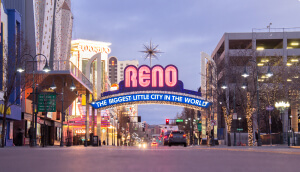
(46,29)
(10,47)
(116,69)
(278,51)
(91,58)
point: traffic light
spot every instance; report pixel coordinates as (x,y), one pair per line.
(167,121)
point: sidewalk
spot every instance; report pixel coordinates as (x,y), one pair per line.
(283,149)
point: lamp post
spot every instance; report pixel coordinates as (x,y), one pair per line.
(53,87)
(240,130)
(117,122)
(113,131)
(282,106)
(93,120)
(107,132)
(245,75)
(34,117)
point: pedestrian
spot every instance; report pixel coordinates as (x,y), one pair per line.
(19,137)
(256,136)
(30,135)
(103,142)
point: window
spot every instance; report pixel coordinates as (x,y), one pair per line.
(240,44)
(262,44)
(293,43)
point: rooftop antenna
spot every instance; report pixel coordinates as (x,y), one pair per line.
(269,26)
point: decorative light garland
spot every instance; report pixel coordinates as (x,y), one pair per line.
(249,112)
(228,118)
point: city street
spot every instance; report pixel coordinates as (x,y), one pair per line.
(175,158)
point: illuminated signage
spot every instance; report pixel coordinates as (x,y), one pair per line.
(151,85)
(114,87)
(81,131)
(8,111)
(150,97)
(144,76)
(95,49)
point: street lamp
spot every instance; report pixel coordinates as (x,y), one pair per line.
(240,130)
(244,86)
(224,86)
(34,117)
(245,75)
(53,87)
(282,106)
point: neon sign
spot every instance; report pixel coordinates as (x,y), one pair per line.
(151,98)
(157,76)
(81,131)
(151,85)
(95,49)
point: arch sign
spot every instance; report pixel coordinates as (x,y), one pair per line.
(156,85)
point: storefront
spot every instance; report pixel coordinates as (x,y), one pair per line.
(50,128)
(13,114)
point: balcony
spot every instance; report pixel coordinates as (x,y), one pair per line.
(60,71)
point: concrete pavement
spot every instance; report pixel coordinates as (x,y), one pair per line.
(173,159)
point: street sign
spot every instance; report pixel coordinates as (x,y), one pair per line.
(269,108)
(199,126)
(234,116)
(47,102)
(179,120)
(239,129)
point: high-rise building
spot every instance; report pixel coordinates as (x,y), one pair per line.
(47,33)
(47,27)
(116,69)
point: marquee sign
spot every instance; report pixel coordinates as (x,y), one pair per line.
(94,48)
(156,85)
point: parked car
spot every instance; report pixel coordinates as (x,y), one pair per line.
(177,138)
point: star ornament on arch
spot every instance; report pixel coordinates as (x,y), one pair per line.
(151,51)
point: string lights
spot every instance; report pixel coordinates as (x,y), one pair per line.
(228,118)
(249,112)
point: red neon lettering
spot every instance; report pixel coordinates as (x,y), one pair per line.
(144,76)
(160,71)
(108,50)
(171,76)
(131,76)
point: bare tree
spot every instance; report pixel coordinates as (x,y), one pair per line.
(12,86)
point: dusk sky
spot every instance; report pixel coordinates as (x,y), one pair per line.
(182,29)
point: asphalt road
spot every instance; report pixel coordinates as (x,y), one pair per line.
(166,159)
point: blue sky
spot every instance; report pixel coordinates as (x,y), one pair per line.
(182,29)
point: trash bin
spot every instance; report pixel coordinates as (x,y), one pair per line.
(95,140)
